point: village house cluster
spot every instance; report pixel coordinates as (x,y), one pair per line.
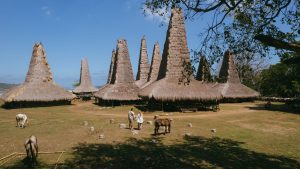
(166,83)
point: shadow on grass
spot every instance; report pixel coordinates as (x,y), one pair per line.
(194,152)
(288,108)
(26,163)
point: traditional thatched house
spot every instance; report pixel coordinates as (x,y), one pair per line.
(154,68)
(143,68)
(230,85)
(176,86)
(203,73)
(38,88)
(121,89)
(85,89)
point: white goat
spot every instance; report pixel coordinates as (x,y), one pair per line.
(21,120)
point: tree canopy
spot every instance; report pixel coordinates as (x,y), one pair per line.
(241,25)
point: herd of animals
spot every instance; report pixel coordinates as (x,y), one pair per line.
(31,144)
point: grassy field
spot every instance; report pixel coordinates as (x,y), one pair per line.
(248,136)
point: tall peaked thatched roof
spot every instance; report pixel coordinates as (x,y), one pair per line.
(85,83)
(143,68)
(175,79)
(155,63)
(230,85)
(111,67)
(122,86)
(175,51)
(228,71)
(38,85)
(203,73)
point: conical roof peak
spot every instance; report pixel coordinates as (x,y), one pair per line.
(39,70)
(228,71)
(155,63)
(85,83)
(143,67)
(111,67)
(203,73)
(122,72)
(176,53)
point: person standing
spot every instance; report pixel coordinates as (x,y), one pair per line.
(140,120)
(131,118)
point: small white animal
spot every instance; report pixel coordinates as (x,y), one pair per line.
(31,148)
(21,120)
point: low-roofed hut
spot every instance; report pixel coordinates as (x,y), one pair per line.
(155,63)
(143,68)
(39,88)
(176,87)
(121,89)
(85,89)
(203,73)
(230,85)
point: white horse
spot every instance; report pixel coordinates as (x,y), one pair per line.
(31,148)
(21,120)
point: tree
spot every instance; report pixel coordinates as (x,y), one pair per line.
(281,80)
(241,25)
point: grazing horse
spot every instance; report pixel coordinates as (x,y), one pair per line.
(166,122)
(21,120)
(31,148)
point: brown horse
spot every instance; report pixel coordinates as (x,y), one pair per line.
(166,122)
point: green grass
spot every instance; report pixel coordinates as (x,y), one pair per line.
(248,136)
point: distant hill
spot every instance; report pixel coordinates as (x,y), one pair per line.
(5,86)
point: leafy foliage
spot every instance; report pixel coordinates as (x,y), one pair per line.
(281,80)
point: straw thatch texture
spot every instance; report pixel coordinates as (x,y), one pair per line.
(143,68)
(85,85)
(168,90)
(203,73)
(122,86)
(175,80)
(111,67)
(155,63)
(236,91)
(38,85)
(175,48)
(228,71)
(230,86)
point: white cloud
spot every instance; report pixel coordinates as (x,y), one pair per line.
(162,16)
(46,10)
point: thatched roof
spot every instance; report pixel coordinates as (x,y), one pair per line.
(122,86)
(143,68)
(168,90)
(154,68)
(175,79)
(228,71)
(85,85)
(230,86)
(38,85)
(203,73)
(111,67)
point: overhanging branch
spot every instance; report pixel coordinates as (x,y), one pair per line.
(279,44)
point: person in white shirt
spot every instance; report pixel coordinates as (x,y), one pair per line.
(140,120)
(131,118)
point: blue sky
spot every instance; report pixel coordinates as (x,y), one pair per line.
(73,29)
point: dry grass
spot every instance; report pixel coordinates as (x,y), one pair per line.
(243,129)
